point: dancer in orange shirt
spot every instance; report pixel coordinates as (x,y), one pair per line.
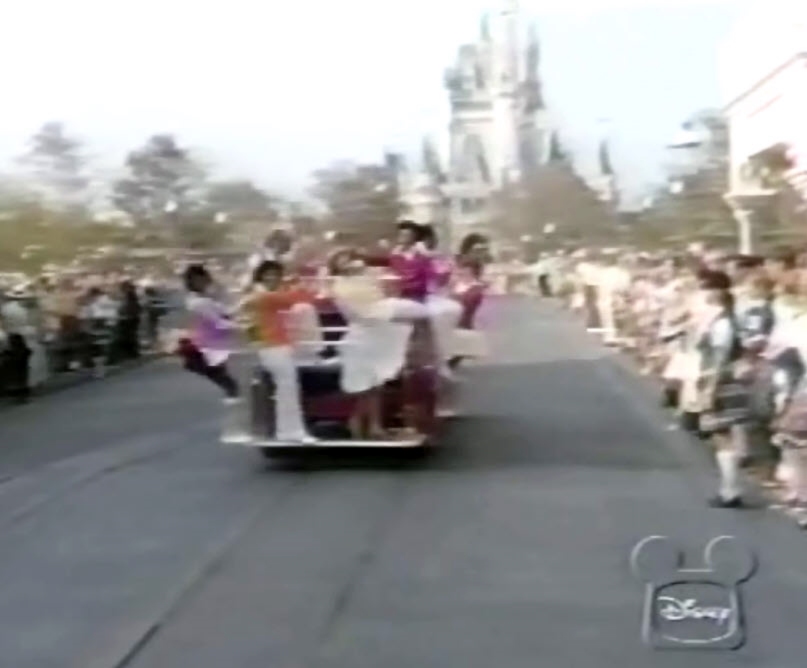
(269,304)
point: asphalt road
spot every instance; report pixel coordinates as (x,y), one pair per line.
(131,538)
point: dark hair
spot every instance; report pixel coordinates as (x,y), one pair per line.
(410,225)
(725,298)
(193,272)
(427,234)
(710,279)
(266,267)
(335,259)
(470,241)
(748,261)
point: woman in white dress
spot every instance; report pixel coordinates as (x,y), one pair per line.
(375,344)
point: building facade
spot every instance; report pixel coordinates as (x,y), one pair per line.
(764,80)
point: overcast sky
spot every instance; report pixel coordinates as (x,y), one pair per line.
(272,90)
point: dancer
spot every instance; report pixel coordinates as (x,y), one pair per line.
(209,346)
(374,347)
(268,304)
(445,312)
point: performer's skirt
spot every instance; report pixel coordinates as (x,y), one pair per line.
(732,405)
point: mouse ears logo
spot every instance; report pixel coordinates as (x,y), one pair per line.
(692,608)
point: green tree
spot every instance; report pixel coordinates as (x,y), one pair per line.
(164,184)
(240,201)
(362,200)
(555,198)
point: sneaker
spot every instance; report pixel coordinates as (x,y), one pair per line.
(235,437)
(304,439)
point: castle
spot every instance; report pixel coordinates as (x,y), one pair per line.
(498,133)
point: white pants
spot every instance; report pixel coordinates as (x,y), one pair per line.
(303,324)
(445,314)
(405,309)
(38,364)
(279,361)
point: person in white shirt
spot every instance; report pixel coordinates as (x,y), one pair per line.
(276,248)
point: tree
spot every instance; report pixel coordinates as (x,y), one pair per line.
(362,200)
(690,205)
(160,173)
(241,201)
(555,195)
(58,166)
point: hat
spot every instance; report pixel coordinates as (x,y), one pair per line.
(18,292)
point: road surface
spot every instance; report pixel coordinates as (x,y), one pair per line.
(130,538)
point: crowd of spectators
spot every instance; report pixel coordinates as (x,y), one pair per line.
(56,325)
(725,334)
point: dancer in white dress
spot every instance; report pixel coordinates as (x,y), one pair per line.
(375,344)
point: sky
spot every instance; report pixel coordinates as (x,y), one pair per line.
(272,90)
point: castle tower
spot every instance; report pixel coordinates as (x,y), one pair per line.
(498,130)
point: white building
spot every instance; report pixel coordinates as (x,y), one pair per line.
(763,73)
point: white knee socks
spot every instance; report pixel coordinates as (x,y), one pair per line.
(728,461)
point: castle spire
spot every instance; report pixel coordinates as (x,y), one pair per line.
(484,27)
(533,53)
(556,153)
(431,160)
(606,168)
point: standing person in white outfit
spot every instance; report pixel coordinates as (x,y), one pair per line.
(268,305)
